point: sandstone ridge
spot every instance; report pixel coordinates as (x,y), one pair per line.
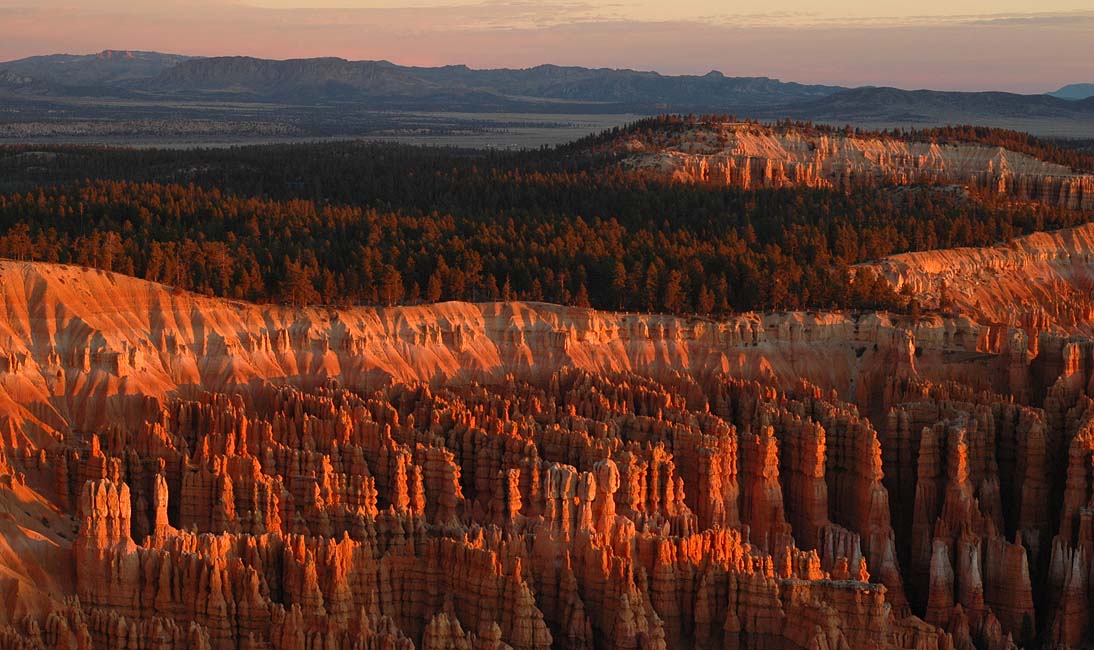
(186,472)
(77,344)
(754,156)
(1042,281)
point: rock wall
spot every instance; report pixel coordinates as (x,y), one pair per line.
(755,156)
(62,322)
(571,527)
(532,476)
(1041,284)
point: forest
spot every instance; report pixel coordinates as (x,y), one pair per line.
(380,224)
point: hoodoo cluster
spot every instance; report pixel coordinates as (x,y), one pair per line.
(186,472)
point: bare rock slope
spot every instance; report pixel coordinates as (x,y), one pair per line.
(1040,281)
(750,155)
(179,471)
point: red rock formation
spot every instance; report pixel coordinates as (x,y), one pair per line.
(1031,284)
(754,156)
(647,482)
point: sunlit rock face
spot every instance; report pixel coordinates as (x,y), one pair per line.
(751,155)
(1039,283)
(186,472)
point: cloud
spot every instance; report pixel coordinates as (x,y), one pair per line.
(508,14)
(805,20)
(797,13)
(1067,19)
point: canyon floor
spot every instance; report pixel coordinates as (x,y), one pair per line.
(188,472)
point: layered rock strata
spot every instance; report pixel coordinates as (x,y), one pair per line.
(751,155)
(532,476)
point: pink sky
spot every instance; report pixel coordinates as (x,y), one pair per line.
(1015,51)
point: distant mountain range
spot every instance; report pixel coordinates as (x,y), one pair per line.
(883,104)
(384,84)
(150,77)
(75,74)
(1074,91)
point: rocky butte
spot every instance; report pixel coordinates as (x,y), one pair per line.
(751,155)
(187,472)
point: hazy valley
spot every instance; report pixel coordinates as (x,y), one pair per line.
(152,98)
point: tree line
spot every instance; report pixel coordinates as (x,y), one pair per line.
(600,238)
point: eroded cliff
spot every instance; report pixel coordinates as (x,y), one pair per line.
(180,471)
(751,155)
(1040,282)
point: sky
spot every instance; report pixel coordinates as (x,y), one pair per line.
(950,45)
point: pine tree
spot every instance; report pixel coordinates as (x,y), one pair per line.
(435,288)
(653,287)
(619,285)
(296,287)
(674,293)
(706,300)
(582,297)
(391,286)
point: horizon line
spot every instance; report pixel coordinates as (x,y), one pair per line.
(712,71)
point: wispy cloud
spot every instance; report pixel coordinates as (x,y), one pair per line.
(528,13)
(494,14)
(806,20)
